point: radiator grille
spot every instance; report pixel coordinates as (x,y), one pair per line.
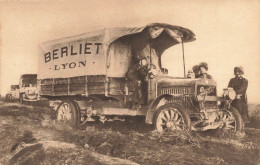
(176,90)
(180,90)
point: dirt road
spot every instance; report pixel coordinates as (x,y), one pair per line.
(30,136)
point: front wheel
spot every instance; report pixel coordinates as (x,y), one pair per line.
(21,98)
(172,116)
(7,97)
(232,120)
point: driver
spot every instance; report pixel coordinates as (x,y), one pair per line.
(136,74)
(140,70)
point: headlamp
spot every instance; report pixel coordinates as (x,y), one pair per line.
(229,93)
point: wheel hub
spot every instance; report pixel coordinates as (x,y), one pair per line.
(170,119)
(228,120)
(64,113)
(170,124)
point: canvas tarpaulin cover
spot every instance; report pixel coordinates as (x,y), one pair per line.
(105,52)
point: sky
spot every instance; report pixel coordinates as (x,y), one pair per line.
(227,33)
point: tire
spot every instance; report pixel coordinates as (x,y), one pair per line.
(7,98)
(21,98)
(11,98)
(68,114)
(237,122)
(171,116)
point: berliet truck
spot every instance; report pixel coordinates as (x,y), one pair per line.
(28,88)
(13,94)
(26,91)
(117,73)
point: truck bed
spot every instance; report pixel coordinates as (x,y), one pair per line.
(83,85)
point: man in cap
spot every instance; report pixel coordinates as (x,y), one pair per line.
(240,84)
(203,68)
(145,65)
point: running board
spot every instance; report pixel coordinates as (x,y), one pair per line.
(121,112)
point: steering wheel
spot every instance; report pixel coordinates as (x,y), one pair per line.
(150,66)
(145,67)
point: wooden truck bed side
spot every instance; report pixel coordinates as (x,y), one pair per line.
(83,85)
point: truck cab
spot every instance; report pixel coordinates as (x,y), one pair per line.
(28,90)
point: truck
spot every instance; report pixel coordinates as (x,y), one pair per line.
(13,94)
(117,73)
(28,88)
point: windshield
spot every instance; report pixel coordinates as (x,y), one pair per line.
(27,82)
(172,59)
(14,87)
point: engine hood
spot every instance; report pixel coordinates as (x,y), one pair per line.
(182,85)
(173,81)
(184,88)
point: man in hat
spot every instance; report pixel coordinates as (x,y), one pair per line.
(196,71)
(139,72)
(203,68)
(239,84)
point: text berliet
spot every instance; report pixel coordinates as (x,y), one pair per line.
(87,48)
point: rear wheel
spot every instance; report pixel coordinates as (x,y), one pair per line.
(67,114)
(172,116)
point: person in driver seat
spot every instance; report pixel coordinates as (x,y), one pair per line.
(141,70)
(136,75)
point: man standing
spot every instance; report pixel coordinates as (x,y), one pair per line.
(239,84)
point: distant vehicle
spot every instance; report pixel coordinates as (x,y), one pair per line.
(13,94)
(85,78)
(28,89)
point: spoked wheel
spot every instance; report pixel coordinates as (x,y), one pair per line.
(67,114)
(172,117)
(232,120)
(11,98)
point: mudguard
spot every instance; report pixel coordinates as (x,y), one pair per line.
(159,101)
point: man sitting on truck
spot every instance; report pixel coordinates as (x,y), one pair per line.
(135,75)
(203,68)
(141,70)
(196,71)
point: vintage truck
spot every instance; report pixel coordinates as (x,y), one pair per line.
(13,94)
(28,88)
(99,75)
